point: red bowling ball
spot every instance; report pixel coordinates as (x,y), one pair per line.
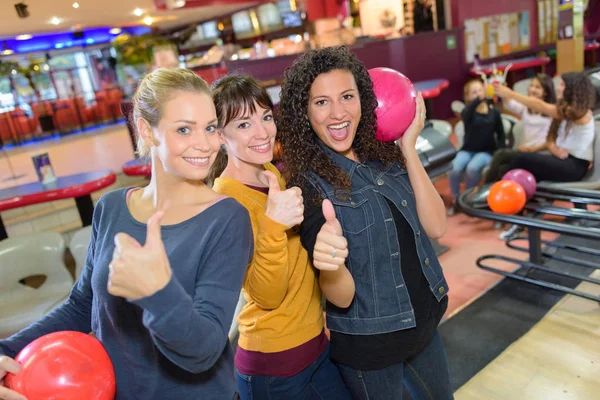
(64,366)
(396,103)
(523,178)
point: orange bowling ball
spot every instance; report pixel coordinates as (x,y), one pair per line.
(506,197)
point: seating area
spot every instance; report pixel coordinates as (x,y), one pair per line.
(59,116)
(34,281)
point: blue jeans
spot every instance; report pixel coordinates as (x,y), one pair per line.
(470,162)
(426,376)
(319,381)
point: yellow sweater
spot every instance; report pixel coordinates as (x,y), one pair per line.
(281,288)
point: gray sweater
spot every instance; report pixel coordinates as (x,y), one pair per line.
(173,344)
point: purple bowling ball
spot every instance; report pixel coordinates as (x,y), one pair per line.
(524,178)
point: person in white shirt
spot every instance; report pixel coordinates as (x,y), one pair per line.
(571,135)
(535,127)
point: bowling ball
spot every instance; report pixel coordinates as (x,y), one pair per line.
(64,366)
(506,197)
(396,103)
(523,178)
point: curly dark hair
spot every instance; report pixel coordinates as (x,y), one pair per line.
(301,151)
(578,98)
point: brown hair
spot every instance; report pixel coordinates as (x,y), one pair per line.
(547,84)
(155,90)
(301,149)
(235,96)
(578,98)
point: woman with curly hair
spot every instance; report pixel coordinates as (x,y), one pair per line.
(283,351)
(571,135)
(370,208)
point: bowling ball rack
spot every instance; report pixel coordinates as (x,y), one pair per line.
(472,203)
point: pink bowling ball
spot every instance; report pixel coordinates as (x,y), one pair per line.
(396,103)
(524,178)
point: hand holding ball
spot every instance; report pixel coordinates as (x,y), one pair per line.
(396,103)
(64,365)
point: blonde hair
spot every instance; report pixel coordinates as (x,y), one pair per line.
(155,90)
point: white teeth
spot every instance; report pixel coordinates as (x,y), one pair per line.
(262,147)
(196,160)
(339,126)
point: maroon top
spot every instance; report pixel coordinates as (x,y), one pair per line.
(282,363)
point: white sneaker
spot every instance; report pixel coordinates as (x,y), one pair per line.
(511,231)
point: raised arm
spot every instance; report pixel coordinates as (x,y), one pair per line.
(499,129)
(532,103)
(192,331)
(268,275)
(469,111)
(320,233)
(430,206)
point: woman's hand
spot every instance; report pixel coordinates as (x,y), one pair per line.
(501,90)
(331,247)
(284,206)
(7,365)
(138,271)
(557,152)
(525,149)
(409,140)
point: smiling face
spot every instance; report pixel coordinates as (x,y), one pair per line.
(250,137)
(475,90)
(536,89)
(185,141)
(334,110)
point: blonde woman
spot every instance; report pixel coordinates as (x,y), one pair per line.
(165,262)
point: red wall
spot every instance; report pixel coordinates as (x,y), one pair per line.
(465,9)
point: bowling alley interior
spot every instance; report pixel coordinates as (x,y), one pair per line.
(521,211)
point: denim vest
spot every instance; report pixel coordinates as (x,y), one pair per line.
(381,303)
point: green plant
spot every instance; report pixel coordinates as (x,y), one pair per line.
(137,50)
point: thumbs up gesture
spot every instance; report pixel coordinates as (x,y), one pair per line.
(331,247)
(138,271)
(284,206)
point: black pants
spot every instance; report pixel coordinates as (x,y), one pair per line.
(545,167)
(500,164)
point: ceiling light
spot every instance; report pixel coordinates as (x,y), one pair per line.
(115,31)
(148,20)
(138,12)
(179,3)
(75,5)
(7,52)
(55,21)
(25,36)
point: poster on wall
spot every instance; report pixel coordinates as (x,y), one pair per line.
(542,38)
(514,31)
(524,36)
(497,35)
(552,16)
